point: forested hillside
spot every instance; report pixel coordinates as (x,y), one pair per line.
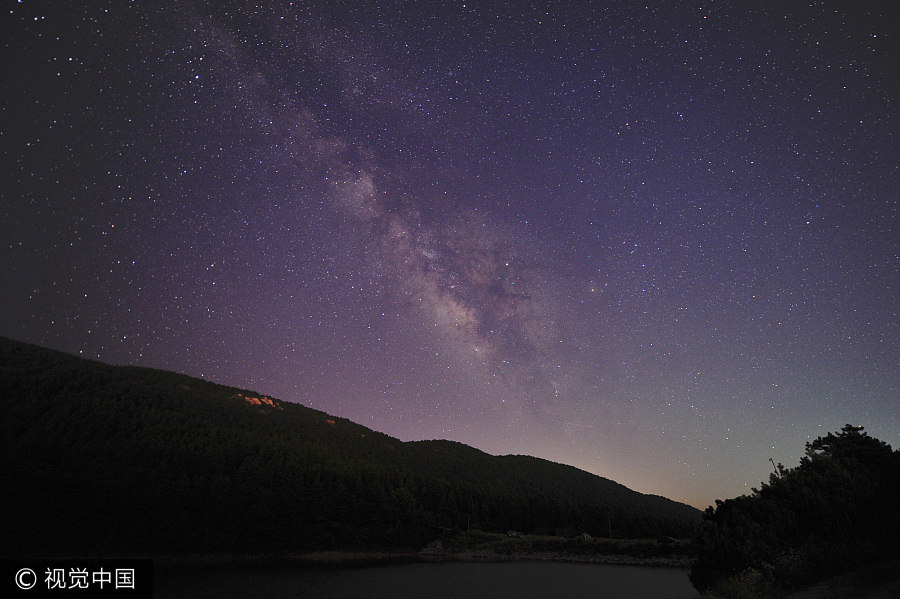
(836,511)
(119,460)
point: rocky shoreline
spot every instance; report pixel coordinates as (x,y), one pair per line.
(488,555)
(352,559)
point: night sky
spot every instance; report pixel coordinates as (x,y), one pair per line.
(659,244)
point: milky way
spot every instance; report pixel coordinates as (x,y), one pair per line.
(655,242)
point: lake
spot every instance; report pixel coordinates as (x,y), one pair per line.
(493,580)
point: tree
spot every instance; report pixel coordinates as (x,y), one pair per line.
(835,510)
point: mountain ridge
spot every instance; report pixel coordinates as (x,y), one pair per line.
(185,464)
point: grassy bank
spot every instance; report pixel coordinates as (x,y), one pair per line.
(477,545)
(470,546)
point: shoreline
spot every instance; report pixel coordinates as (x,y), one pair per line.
(356,559)
(487,555)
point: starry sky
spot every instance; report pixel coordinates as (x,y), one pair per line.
(656,241)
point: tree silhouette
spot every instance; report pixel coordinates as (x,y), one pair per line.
(834,511)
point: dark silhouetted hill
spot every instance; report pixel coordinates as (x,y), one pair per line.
(101,459)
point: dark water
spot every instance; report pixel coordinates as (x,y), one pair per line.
(522,580)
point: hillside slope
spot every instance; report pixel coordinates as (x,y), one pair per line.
(110,459)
